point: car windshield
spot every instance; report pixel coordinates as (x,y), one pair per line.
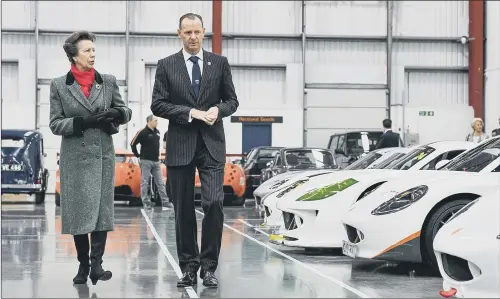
(364,162)
(357,143)
(311,158)
(413,158)
(389,162)
(11,146)
(477,158)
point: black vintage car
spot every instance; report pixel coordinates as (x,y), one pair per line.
(255,161)
(23,170)
(299,159)
(350,146)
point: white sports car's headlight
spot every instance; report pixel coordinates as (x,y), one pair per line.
(401,201)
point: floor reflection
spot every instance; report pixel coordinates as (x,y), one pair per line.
(37,261)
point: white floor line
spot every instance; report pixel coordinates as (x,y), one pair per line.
(190,291)
(334,280)
(254,227)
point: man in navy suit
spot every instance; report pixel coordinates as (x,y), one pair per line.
(194,90)
(389,138)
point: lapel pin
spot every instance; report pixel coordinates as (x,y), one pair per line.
(209,63)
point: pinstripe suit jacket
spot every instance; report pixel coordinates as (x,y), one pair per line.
(173,98)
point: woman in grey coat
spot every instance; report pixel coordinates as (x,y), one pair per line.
(86,109)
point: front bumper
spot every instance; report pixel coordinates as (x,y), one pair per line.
(272,216)
(311,229)
(469,264)
(392,237)
(21,188)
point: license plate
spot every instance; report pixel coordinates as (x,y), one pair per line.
(12,167)
(349,249)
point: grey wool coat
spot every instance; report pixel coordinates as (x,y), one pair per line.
(87,157)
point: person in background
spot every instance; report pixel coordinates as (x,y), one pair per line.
(86,109)
(496,132)
(149,139)
(389,138)
(477,134)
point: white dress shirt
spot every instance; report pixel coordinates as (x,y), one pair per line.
(189,66)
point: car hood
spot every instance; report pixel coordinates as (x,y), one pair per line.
(337,182)
(440,183)
(286,178)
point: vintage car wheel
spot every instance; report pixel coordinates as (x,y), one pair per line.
(239,201)
(58,199)
(39,197)
(435,222)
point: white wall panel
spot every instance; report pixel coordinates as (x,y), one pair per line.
(10,105)
(261,17)
(262,51)
(18,15)
(492,72)
(431,18)
(355,52)
(260,87)
(110,56)
(82,15)
(15,46)
(430,54)
(145,104)
(163,16)
(346,18)
(151,49)
(339,110)
(437,88)
(346,98)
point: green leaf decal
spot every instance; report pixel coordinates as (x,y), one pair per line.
(327,191)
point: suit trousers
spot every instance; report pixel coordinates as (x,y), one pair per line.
(181,184)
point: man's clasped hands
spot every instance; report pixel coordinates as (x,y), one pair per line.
(209,117)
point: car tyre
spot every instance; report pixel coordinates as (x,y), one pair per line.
(434,224)
(58,199)
(39,197)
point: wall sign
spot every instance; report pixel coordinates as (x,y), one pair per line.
(426,113)
(257,119)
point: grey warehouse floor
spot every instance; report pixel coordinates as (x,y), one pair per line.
(39,262)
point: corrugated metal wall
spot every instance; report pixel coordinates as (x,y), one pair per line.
(262,40)
(10,100)
(356,53)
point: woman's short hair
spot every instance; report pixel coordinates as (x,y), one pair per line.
(474,121)
(71,43)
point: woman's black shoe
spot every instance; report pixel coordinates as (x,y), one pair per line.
(81,276)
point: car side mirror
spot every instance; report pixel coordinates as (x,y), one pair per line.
(441,164)
(339,151)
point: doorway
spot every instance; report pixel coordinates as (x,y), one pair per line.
(256,135)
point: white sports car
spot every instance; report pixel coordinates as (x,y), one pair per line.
(399,220)
(368,161)
(377,159)
(311,213)
(467,249)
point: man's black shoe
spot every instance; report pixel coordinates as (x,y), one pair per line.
(188,279)
(209,280)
